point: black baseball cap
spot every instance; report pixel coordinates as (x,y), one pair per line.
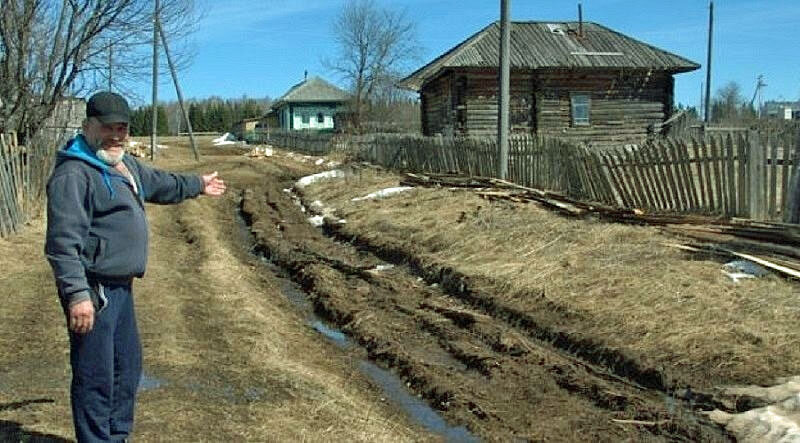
(108,107)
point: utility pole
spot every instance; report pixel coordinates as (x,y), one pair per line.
(178,91)
(708,62)
(505,74)
(154,109)
(702,107)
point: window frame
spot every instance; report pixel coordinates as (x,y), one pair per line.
(574,105)
(320,117)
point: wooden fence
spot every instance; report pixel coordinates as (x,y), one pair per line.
(742,175)
(308,142)
(24,171)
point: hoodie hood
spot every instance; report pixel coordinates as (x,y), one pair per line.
(78,148)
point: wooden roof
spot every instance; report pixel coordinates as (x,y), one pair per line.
(312,90)
(550,45)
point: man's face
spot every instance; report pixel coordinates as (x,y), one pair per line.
(107,139)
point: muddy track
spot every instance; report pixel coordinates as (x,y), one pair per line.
(484,365)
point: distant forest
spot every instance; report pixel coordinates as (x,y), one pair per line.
(212,114)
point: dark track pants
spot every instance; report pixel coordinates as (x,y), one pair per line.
(106,366)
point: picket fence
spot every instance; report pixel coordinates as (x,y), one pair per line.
(734,174)
(24,171)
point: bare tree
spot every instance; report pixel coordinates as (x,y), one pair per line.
(52,49)
(729,104)
(374,45)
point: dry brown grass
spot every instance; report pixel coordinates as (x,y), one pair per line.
(629,291)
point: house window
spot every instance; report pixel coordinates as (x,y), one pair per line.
(580,105)
(320,118)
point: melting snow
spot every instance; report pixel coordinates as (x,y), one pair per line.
(778,422)
(317,220)
(225,139)
(383,193)
(309,179)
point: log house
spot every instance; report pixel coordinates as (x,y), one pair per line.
(577,80)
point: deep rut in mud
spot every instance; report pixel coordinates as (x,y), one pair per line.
(480,364)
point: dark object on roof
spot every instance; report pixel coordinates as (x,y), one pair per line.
(553,45)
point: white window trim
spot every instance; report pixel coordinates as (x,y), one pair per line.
(573,120)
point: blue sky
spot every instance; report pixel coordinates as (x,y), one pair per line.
(261,48)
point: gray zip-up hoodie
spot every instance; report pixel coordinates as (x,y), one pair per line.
(96,223)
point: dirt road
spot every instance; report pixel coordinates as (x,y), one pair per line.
(229,357)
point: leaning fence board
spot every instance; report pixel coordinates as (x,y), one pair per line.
(731,168)
(647,179)
(785,160)
(741,161)
(773,179)
(698,167)
(683,158)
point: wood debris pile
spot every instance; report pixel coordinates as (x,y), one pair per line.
(773,245)
(260,152)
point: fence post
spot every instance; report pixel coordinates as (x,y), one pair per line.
(755,163)
(793,204)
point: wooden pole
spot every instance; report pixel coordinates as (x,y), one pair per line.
(708,62)
(154,108)
(505,71)
(179,92)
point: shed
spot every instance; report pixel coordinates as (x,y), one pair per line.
(310,104)
(579,80)
(244,126)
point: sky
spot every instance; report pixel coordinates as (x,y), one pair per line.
(260,48)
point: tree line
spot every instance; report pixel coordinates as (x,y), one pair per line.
(212,114)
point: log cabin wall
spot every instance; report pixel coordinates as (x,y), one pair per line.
(623,103)
(436,106)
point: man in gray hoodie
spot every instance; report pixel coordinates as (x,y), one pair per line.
(97,244)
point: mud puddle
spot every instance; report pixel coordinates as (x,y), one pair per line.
(469,358)
(390,384)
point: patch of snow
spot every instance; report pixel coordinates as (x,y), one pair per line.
(225,139)
(383,267)
(333,164)
(319,161)
(309,179)
(383,193)
(746,267)
(316,204)
(317,220)
(736,276)
(778,422)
